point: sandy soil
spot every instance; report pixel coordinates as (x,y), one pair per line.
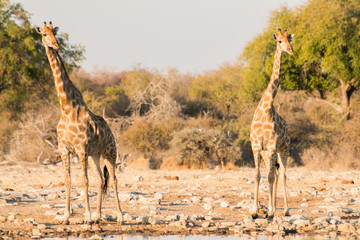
(201,202)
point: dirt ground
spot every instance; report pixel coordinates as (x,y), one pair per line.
(160,202)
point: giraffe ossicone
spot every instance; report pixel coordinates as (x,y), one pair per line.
(269,135)
(80,132)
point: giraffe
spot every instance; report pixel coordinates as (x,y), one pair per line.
(269,133)
(80,132)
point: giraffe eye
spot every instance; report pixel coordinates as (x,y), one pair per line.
(279,41)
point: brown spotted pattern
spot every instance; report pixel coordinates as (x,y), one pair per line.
(269,133)
(81,133)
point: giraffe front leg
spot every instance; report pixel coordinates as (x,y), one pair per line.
(271,179)
(65,156)
(85,182)
(283,162)
(255,207)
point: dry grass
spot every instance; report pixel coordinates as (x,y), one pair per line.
(320,138)
(35,139)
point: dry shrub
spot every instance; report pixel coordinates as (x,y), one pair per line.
(36,139)
(199,148)
(342,157)
(149,137)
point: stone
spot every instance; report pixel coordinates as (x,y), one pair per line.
(224,204)
(261,222)
(301,223)
(159,196)
(138,178)
(11,217)
(36,232)
(3,219)
(304,205)
(184,217)
(173,218)
(329,199)
(227,224)
(208,206)
(41,226)
(52,196)
(128,217)
(208,199)
(196,199)
(346,228)
(348,210)
(205,224)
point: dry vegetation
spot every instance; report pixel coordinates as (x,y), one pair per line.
(163,127)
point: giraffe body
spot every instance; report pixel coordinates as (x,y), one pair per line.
(269,135)
(80,132)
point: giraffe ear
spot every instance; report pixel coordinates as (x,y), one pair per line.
(55,30)
(38,30)
(290,37)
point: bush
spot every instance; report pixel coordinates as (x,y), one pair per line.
(198,148)
(149,137)
(36,138)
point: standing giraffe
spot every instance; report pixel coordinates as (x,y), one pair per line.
(80,132)
(269,133)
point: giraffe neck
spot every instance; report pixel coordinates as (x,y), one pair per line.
(69,96)
(275,80)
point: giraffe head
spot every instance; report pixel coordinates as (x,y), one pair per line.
(283,41)
(48,35)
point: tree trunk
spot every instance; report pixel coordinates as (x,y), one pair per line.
(347,90)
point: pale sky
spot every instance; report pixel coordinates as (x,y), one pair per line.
(191,35)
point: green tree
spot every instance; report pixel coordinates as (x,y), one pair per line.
(325,51)
(220,88)
(329,39)
(24,69)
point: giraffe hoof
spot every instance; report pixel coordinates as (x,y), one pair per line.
(66,222)
(269,217)
(88,222)
(287,213)
(254,215)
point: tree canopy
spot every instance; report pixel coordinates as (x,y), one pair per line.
(325,49)
(25,75)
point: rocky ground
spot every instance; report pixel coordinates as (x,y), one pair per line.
(159,202)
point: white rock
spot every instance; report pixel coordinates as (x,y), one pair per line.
(301,223)
(224,204)
(159,196)
(3,219)
(36,232)
(208,199)
(205,224)
(196,199)
(346,227)
(329,199)
(173,217)
(138,178)
(128,217)
(208,206)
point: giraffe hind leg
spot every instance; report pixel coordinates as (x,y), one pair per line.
(255,208)
(110,162)
(95,166)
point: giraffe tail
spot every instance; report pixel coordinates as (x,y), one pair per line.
(106,181)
